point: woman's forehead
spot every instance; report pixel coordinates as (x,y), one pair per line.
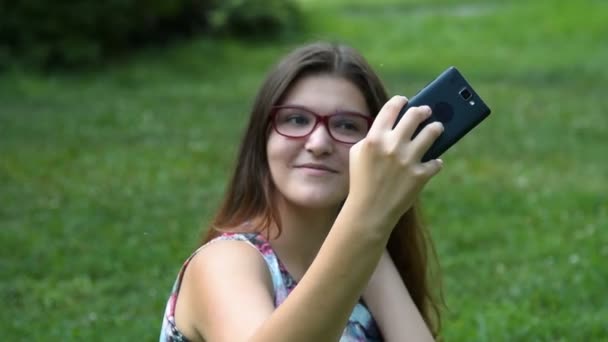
(326,93)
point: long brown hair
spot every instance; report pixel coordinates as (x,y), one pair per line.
(248,203)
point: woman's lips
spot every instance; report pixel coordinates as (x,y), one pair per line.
(316,167)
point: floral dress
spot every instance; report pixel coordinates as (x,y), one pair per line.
(361,325)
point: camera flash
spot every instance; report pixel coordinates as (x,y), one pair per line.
(472,103)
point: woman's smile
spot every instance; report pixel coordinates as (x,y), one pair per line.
(316,169)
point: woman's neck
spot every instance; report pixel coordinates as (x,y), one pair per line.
(303,231)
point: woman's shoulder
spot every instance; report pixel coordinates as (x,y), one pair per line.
(232,248)
(228,251)
(225,272)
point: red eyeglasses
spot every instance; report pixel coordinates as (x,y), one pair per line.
(299,122)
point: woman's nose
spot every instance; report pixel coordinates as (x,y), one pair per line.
(320,141)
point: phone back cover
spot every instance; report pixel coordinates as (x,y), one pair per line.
(458,115)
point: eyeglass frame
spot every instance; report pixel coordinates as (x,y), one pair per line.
(324,119)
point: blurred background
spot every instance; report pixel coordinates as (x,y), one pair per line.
(119,122)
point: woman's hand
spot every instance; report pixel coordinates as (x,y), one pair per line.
(386,172)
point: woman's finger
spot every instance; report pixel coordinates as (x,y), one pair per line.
(387,115)
(432,167)
(410,121)
(423,141)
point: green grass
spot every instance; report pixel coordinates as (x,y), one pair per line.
(107,176)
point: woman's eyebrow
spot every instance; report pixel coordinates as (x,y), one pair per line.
(335,110)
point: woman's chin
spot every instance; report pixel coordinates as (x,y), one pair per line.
(317,200)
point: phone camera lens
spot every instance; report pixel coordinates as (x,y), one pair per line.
(466,94)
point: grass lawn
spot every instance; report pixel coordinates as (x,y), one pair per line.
(107,176)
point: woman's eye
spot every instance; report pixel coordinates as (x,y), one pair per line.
(347,126)
(297,119)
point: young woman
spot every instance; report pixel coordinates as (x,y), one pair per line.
(318,237)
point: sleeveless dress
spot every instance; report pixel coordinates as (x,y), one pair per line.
(361,325)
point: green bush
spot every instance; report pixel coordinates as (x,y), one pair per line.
(72,33)
(254,17)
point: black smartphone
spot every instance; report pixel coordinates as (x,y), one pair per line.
(455,103)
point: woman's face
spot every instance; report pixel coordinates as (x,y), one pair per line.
(312,171)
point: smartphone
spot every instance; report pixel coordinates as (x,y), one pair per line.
(455,103)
